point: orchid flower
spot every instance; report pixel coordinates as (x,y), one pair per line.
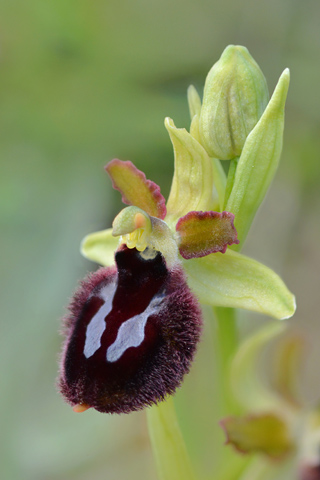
(133,326)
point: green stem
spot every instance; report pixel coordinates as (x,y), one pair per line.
(228,464)
(220,180)
(226,344)
(169,450)
(230,180)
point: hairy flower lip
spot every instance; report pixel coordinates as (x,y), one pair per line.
(144,373)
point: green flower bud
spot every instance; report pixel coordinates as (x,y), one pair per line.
(235,96)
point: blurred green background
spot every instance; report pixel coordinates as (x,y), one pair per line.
(82,82)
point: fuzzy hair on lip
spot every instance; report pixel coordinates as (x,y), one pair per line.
(130,335)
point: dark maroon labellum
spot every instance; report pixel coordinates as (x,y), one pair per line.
(131,334)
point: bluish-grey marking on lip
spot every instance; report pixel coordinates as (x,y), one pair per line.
(97,325)
(131,332)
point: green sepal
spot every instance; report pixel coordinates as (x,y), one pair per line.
(230,180)
(192,181)
(220,181)
(169,450)
(234,280)
(100,247)
(259,161)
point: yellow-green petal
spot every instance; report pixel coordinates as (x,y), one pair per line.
(100,247)
(234,280)
(258,161)
(192,181)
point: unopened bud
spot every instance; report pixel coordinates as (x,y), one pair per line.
(235,96)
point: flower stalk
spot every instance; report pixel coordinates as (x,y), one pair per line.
(226,342)
(169,450)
